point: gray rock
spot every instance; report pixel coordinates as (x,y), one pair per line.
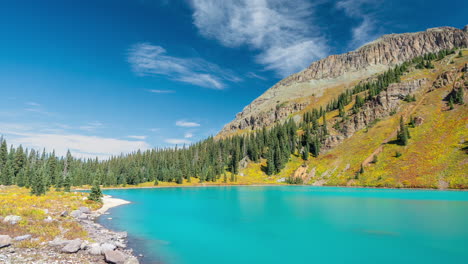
(115,257)
(58,242)
(95,249)
(132,260)
(12,219)
(72,246)
(107,247)
(121,235)
(76,213)
(5,241)
(48,219)
(84,245)
(46,211)
(83,216)
(21,238)
(120,244)
(64,213)
(85,210)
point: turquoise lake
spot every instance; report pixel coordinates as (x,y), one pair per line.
(293,224)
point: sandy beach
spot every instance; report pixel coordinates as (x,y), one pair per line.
(110,202)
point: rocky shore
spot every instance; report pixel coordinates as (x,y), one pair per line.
(101,245)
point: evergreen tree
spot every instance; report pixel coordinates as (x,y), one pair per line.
(305,152)
(67,183)
(96,193)
(403,133)
(270,167)
(39,184)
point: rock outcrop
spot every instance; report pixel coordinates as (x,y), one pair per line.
(290,95)
(5,241)
(381,107)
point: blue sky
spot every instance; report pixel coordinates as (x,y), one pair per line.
(102,77)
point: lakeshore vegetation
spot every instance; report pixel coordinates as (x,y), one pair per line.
(278,150)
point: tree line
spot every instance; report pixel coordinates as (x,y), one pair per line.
(205,161)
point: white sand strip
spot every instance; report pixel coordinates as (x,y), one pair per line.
(109,202)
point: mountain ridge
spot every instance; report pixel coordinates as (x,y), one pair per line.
(305,89)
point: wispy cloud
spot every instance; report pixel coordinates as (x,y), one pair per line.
(90,127)
(188,135)
(177,141)
(138,137)
(253,75)
(161,91)
(149,59)
(281,30)
(82,146)
(366,31)
(154,129)
(33,104)
(36,108)
(182,123)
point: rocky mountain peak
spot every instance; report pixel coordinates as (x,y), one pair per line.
(296,91)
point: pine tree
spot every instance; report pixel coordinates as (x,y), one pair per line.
(67,183)
(403,133)
(451,103)
(96,193)
(3,161)
(305,152)
(39,185)
(325,130)
(270,167)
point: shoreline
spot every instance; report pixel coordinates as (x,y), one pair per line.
(109,202)
(268,185)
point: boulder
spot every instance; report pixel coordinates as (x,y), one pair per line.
(132,260)
(21,238)
(83,216)
(115,257)
(58,242)
(107,247)
(95,249)
(85,210)
(64,213)
(48,219)
(72,246)
(120,244)
(76,213)
(121,235)
(84,245)
(12,219)
(5,241)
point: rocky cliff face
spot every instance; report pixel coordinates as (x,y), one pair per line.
(291,94)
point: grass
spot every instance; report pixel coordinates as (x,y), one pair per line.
(32,209)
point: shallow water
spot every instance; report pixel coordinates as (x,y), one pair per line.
(293,224)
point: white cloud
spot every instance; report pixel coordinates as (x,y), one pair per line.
(90,127)
(137,137)
(55,137)
(154,129)
(161,91)
(33,104)
(366,30)
(182,123)
(276,28)
(148,59)
(253,75)
(188,135)
(177,141)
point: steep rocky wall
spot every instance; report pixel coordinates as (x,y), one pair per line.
(379,108)
(327,73)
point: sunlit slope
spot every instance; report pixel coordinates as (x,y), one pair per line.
(435,156)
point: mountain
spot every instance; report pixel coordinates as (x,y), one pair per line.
(323,79)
